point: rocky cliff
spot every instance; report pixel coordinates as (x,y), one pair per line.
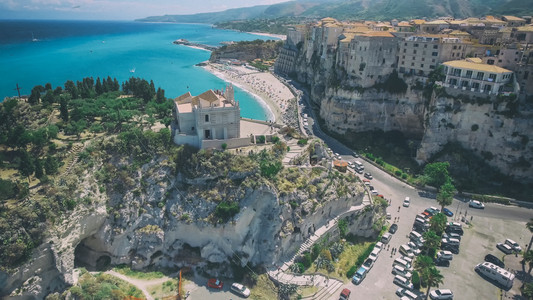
(247,50)
(172,211)
(497,129)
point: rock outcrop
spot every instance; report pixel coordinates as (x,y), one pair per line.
(497,129)
(153,218)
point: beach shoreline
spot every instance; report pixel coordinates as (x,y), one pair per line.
(272,35)
(264,87)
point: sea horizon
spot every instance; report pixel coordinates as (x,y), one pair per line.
(75,49)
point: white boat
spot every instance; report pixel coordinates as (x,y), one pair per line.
(33,39)
(132,70)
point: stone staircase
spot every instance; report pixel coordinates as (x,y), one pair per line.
(74,154)
(295,151)
(325,292)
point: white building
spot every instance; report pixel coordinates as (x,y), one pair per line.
(207,120)
(471,74)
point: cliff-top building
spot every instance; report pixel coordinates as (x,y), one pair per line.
(210,116)
(473,75)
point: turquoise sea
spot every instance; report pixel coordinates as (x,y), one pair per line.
(72,50)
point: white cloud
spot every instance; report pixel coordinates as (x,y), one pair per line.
(9,4)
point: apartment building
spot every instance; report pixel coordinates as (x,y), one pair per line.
(473,75)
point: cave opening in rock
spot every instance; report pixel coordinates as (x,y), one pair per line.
(87,257)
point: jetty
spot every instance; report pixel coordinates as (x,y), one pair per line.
(187,43)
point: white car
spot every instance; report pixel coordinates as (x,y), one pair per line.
(444,255)
(240,290)
(441,294)
(476,204)
(505,248)
(379,245)
(513,245)
(402,282)
(399,270)
(406,202)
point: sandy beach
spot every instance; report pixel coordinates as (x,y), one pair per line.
(272,35)
(265,87)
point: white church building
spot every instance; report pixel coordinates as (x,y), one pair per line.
(209,120)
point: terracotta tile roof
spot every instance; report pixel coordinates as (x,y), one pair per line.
(375,34)
(464,64)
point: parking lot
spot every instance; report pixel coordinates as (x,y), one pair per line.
(479,239)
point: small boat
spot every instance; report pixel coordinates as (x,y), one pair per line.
(33,39)
(132,70)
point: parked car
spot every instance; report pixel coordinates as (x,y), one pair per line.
(432,211)
(444,255)
(379,245)
(407,294)
(355,154)
(389,216)
(240,290)
(368,175)
(359,275)
(505,248)
(476,204)
(493,259)
(447,212)
(215,283)
(420,228)
(369,262)
(452,248)
(442,263)
(451,235)
(406,202)
(441,294)
(399,270)
(450,241)
(513,245)
(386,238)
(402,282)
(345,294)
(393,228)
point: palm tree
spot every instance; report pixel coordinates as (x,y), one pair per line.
(432,277)
(445,195)
(423,263)
(528,259)
(529,225)
(431,240)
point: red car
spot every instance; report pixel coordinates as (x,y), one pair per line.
(215,283)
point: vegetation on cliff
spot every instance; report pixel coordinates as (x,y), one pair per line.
(276,25)
(42,140)
(248,50)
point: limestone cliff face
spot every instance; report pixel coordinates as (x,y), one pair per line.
(486,129)
(155,218)
(505,139)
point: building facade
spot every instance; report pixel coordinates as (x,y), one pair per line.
(212,115)
(475,76)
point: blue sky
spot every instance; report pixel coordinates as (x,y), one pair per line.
(115,9)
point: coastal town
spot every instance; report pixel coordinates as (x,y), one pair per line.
(148,197)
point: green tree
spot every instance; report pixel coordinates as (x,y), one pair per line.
(445,195)
(26,165)
(527,290)
(71,88)
(51,165)
(438,223)
(63,109)
(98,87)
(431,241)
(432,278)
(35,96)
(422,263)
(39,168)
(528,259)
(437,173)
(286,290)
(160,95)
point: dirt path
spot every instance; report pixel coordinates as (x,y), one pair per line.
(141,284)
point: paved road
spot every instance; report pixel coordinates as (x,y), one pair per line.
(378,283)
